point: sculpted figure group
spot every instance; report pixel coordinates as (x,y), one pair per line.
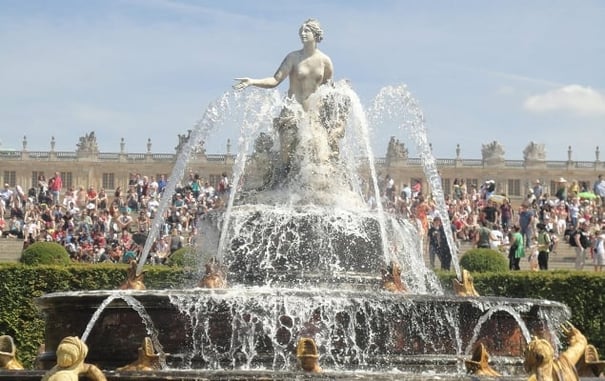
(307,69)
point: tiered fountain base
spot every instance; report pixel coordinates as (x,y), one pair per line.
(251,333)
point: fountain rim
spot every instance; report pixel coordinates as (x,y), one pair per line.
(313,294)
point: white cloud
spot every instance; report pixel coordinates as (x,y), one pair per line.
(576,99)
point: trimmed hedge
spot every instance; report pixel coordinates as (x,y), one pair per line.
(20,285)
(484,260)
(582,291)
(183,257)
(45,253)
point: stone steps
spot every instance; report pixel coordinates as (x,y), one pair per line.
(10,249)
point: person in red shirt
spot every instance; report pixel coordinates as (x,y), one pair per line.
(55,184)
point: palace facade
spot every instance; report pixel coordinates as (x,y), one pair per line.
(87,166)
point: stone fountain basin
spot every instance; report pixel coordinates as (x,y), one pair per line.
(243,329)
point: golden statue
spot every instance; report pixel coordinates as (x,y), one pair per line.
(70,363)
(147,360)
(391,278)
(465,287)
(541,364)
(590,364)
(478,365)
(8,354)
(133,281)
(214,277)
(308,356)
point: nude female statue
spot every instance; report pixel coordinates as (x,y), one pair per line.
(307,69)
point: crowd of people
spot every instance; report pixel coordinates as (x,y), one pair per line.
(95,226)
(485,218)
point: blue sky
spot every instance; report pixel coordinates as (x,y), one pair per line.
(514,71)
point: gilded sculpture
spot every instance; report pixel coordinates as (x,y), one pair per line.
(133,280)
(71,354)
(8,354)
(308,355)
(590,364)
(214,276)
(391,278)
(147,359)
(541,364)
(478,365)
(465,286)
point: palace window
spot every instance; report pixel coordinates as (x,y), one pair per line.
(108,181)
(35,175)
(214,180)
(10,178)
(470,183)
(67,179)
(446,185)
(514,187)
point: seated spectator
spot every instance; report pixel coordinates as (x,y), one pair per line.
(125,221)
(15,228)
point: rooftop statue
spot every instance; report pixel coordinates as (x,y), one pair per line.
(88,143)
(534,152)
(307,69)
(396,149)
(493,150)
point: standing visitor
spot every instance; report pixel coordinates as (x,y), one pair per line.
(599,190)
(581,243)
(517,249)
(438,245)
(599,251)
(526,219)
(482,236)
(55,184)
(506,214)
(544,246)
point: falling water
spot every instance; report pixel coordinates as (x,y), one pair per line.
(253,110)
(490,312)
(395,105)
(324,190)
(136,306)
(197,135)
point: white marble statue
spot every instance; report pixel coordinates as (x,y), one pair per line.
(307,69)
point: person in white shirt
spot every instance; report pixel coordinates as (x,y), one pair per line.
(495,238)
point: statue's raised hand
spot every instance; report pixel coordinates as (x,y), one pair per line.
(242,83)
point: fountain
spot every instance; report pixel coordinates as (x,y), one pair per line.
(297,263)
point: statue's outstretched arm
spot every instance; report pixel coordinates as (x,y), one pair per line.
(269,82)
